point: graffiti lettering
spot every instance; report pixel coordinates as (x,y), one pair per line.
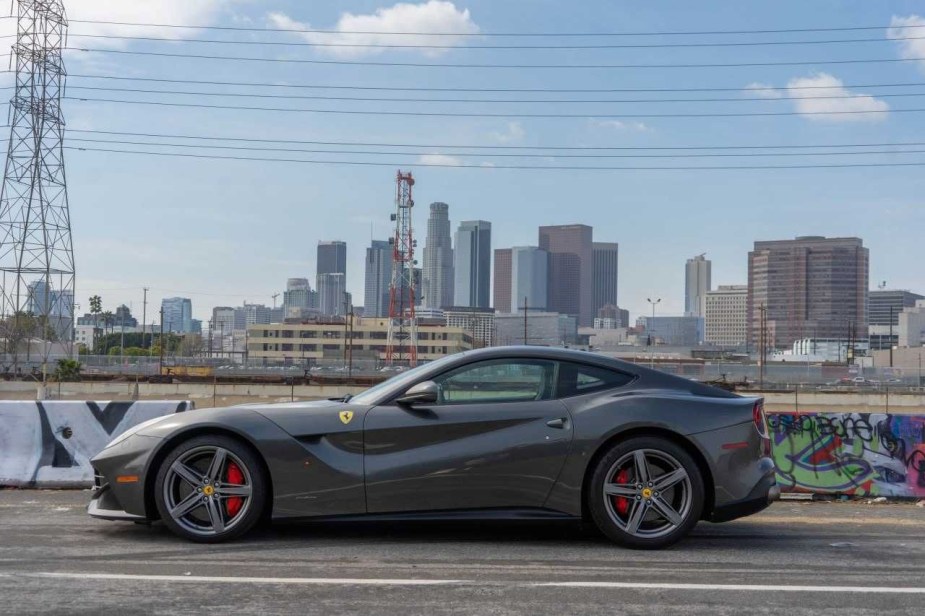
(849,453)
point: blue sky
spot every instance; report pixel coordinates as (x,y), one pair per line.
(223,231)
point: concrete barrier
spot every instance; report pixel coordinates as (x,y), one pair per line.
(48,444)
(860,454)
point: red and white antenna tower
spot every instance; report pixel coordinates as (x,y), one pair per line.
(402,344)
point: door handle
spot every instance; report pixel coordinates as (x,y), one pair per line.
(557,423)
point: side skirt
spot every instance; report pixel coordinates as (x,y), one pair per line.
(513,514)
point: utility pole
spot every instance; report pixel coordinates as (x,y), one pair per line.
(762,344)
(144,316)
(890,340)
(525,321)
(160,363)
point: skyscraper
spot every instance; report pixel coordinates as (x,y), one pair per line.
(438,258)
(222,320)
(378,278)
(810,287)
(502,281)
(297,296)
(726,316)
(332,293)
(571,270)
(178,314)
(332,258)
(606,260)
(696,284)
(529,277)
(472,264)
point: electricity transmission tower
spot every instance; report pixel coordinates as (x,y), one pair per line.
(36,253)
(402,342)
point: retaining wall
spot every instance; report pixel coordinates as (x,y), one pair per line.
(48,444)
(860,454)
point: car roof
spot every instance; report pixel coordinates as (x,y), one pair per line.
(553,353)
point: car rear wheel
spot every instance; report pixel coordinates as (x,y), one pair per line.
(646,493)
(210,489)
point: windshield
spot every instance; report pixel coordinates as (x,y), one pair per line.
(371,395)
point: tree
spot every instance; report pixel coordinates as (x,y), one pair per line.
(67,370)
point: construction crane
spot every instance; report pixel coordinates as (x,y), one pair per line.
(402,341)
(274,296)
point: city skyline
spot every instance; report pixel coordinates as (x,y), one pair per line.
(659,217)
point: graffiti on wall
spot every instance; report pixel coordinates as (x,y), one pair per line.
(862,454)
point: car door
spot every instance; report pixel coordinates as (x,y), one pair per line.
(496,437)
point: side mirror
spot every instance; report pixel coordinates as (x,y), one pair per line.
(427,392)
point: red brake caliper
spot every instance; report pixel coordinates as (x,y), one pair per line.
(234,476)
(622,503)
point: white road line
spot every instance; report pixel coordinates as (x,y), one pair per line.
(897,590)
(247,580)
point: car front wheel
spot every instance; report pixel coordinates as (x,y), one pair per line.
(210,489)
(646,493)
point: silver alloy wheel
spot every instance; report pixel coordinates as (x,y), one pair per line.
(196,490)
(655,492)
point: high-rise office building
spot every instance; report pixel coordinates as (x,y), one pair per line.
(332,258)
(332,294)
(438,259)
(297,296)
(571,270)
(178,314)
(884,302)
(57,306)
(606,257)
(726,316)
(697,282)
(501,300)
(472,264)
(222,320)
(884,334)
(529,277)
(810,287)
(377,280)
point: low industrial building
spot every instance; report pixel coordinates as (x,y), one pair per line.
(364,338)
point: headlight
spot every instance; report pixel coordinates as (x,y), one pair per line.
(134,430)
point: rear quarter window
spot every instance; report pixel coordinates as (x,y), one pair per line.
(579,379)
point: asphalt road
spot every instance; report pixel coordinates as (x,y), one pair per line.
(795,558)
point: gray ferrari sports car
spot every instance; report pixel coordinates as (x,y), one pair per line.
(500,433)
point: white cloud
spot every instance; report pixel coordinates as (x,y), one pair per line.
(436,16)
(907,28)
(639,127)
(439,159)
(805,103)
(181,12)
(763,90)
(514,131)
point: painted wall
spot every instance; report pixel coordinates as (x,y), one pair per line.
(48,444)
(861,454)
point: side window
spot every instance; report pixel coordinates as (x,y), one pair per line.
(578,379)
(497,381)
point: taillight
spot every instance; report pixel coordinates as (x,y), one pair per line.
(761,424)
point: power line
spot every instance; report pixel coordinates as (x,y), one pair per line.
(487,155)
(165,54)
(477,100)
(492,166)
(491,34)
(493,115)
(493,146)
(543,90)
(493,47)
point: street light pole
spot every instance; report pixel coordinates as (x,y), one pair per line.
(653,303)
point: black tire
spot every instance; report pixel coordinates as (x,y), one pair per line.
(616,515)
(205,514)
